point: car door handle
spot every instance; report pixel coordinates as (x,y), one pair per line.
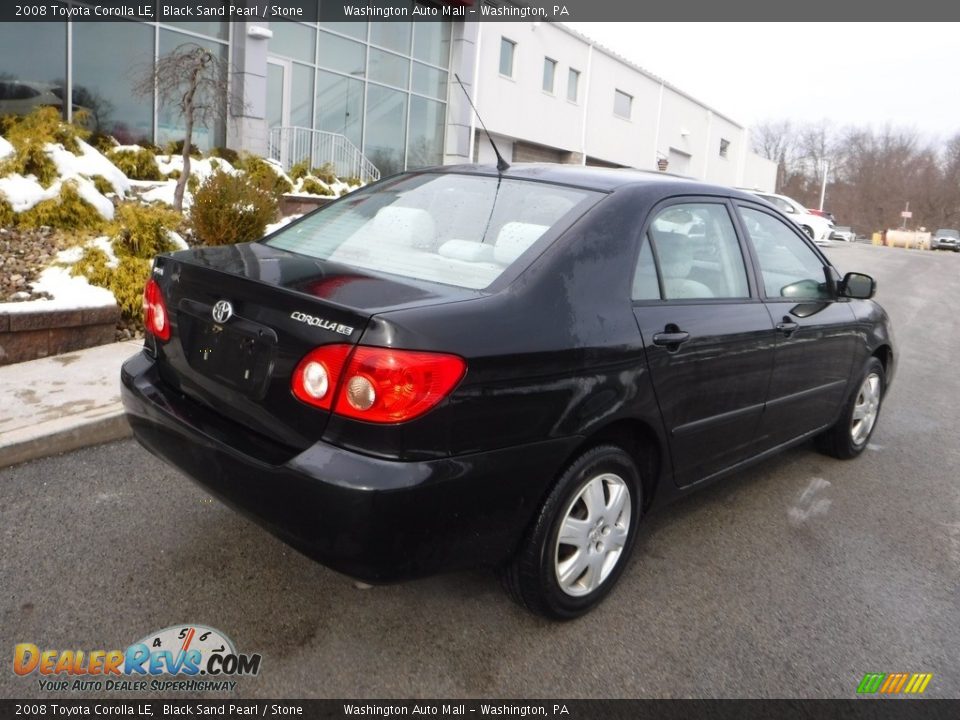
(787,326)
(671,339)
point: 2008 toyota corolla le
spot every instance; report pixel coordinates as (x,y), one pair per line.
(459,367)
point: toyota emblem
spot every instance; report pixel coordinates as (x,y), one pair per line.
(222,311)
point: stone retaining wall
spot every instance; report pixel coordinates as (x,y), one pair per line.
(32,335)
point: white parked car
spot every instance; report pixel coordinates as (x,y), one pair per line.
(818,228)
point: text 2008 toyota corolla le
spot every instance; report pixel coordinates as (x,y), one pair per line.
(459,367)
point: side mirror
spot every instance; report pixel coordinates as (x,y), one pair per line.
(858,286)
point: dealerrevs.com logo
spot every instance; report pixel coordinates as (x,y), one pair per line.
(178,658)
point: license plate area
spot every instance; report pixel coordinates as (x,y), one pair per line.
(238,353)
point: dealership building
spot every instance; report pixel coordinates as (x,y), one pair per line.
(381,95)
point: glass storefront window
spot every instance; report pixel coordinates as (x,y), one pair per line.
(353,29)
(337,53)
(386,128)
(293,40)
(212,28)
(301,96)
(340,106)
(28,78)
(170,126)
(389,69)
(431,42)
(425,144)
(429,81)
(391,35)
(105,58)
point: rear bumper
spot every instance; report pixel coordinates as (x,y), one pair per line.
(374,519)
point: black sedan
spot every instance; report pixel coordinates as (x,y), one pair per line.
(463,367)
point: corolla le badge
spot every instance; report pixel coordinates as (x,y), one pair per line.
(222,311)
(322,323)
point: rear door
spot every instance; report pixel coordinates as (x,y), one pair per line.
(815,334)
(707,337)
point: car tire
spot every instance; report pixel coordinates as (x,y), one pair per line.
(597,502)
(809,231)
(851,433)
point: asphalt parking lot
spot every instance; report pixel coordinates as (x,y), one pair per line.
(792,579)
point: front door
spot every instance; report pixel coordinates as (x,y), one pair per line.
(708,338)
(815,331)
(278,108)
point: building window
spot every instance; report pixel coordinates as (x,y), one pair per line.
(724,147)
(622,104)
(506,56)
(573,85)
(549,72)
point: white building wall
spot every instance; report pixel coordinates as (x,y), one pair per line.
(664,122)
(613,138)
(519,107)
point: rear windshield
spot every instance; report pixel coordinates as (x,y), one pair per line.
(462,230)
(949,233)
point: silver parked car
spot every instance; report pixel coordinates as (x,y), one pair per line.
(945,239)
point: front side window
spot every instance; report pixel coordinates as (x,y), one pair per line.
(462,230)
(789,267)
(622,104)
(507,48)
(697,253)
(549,72)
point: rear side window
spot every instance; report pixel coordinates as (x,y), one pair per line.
(789,268)
(698,255)
(462,230)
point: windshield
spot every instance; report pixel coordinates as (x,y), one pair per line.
(462,230)
(949,233)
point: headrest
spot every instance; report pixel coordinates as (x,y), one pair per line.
(406,227)
(514,239)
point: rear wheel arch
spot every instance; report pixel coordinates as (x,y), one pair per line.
(637,439)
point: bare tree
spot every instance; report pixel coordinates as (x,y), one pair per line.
(193,82)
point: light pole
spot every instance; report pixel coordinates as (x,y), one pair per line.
(823,186)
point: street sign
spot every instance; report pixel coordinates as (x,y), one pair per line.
(906,214)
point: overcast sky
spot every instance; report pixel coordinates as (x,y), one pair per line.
(849,73)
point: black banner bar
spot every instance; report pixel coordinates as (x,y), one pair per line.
(472,10)
(872,709)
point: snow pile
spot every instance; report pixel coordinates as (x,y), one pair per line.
(200,168)
(282,222)
(88,164)
(24,193)
(67,291)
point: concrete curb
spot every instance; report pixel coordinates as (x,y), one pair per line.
(65,434)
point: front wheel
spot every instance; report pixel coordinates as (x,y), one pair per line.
(581,539)
(850,435)
(809,231)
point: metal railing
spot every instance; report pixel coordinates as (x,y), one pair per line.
(291,145)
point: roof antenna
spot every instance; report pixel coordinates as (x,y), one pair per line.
(502,164)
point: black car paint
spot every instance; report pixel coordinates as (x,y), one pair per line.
(557,357)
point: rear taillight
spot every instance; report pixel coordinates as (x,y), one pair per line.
(315,378)
(155,316)
(379,385)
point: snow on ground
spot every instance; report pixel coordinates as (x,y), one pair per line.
(282,222)
(5,148)
(68,293)
(175,238)
(199,168)
(88,191)
(24,192)
(90,162)
(163,192)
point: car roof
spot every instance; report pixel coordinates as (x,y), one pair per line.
(596,178)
